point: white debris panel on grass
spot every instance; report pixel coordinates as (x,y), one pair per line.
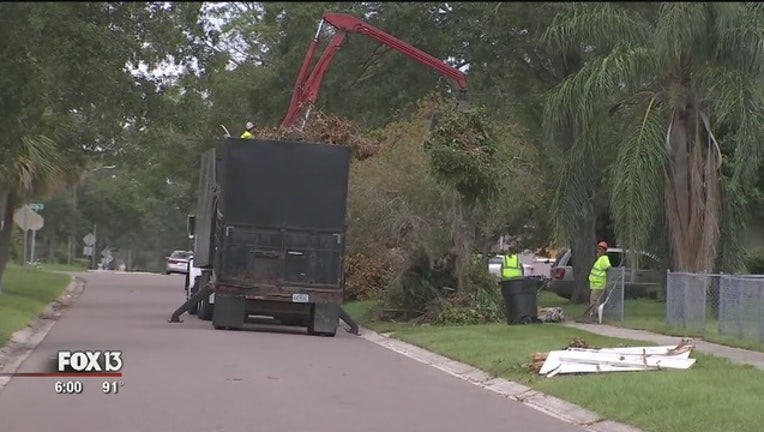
(647,358)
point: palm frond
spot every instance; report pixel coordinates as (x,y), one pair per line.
(636,193)
(578,178)
(733,223)
(748,151)
(572,193)
(600,26)
(33,163)
(726,91)
(740,35)
(602,79)
(682,28)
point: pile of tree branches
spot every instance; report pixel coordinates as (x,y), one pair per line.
(328,129)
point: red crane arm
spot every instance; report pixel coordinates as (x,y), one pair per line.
(307,85)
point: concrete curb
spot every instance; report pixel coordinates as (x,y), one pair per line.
(552,406)
(23,342)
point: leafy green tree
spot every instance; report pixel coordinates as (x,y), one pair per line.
(64,68)
(511,71)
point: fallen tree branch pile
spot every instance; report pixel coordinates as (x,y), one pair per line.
(328,129)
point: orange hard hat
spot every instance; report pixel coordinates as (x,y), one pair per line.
(602,245)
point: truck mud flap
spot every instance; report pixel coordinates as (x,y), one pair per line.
(230,312)
(324,319)
(194,299)
(353,326)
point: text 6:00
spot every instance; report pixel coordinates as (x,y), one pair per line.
(68,387)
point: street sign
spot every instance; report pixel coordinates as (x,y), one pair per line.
(37,206)
(27,219)
(87,251)
(89,239)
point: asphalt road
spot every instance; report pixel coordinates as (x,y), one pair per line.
(189,377)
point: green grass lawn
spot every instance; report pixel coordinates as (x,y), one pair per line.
(654,401)
(63,267)
(26,292)
(650,315)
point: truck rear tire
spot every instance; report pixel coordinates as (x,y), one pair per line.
(195,308)
(205,310)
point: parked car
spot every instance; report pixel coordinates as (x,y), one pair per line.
(642,282)
(177,262)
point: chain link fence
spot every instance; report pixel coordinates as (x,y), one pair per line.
(692,300)
(730,305)
(614,294)
(741,307)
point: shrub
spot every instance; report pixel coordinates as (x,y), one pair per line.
(366,277)
(754,261)
(417,285)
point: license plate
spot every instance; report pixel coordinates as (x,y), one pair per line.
(300,298)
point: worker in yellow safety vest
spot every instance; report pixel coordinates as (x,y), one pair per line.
(248,134)
(511,267)
(598,277)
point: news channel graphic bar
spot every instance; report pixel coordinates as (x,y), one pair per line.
(95,363)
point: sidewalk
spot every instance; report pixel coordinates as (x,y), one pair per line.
(736,355)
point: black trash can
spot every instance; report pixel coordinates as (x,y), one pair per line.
(520,301)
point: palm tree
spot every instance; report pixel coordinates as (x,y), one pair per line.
(675,106)
(30,168)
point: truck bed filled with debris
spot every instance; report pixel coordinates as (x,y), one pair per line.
(326,129)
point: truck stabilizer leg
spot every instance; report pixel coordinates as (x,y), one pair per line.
(354,329)
(185,307)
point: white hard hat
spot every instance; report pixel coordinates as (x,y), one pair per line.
(250,125)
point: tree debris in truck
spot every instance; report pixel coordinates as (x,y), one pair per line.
(328,129)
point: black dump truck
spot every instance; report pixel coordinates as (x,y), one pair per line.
(269,234)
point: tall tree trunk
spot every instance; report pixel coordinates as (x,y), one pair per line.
(582,247)
(692,196)
(52,248)
(7,230)
(460,245)
(584,239)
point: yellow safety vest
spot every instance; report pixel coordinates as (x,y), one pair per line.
(247,135)
(511,267)
(598,275)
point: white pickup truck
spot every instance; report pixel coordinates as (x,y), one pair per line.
(193,278)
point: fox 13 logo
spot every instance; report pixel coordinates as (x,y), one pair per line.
(89,361)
